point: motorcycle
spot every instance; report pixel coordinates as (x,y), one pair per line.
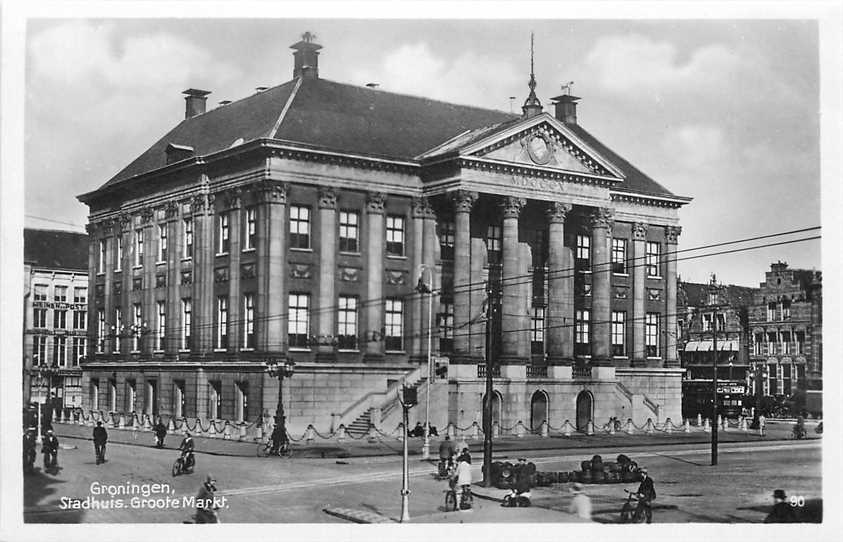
(184,464)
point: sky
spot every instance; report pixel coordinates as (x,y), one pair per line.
(726,112)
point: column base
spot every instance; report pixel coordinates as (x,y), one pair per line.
(418,359)
(673,363)
(510,359)
(601,361)
(621,362)
(558,360)
(639,363)
(465,359)
(373,357)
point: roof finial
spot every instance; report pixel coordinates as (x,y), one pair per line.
(532,106)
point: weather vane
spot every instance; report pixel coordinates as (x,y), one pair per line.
(567,87)
(308,37)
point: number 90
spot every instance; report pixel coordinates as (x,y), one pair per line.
(797,501)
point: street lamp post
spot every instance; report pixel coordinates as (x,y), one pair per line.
(281,370)
(44,372)
(423,288)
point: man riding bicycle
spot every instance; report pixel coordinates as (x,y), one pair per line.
(461,479)
(186,448)
(447,450)
(646,494)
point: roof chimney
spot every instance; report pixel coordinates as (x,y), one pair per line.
(194,102)
(306,57)
(566,108)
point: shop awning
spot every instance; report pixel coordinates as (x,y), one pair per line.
(708,346)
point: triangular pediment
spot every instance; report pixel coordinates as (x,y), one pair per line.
(543,142)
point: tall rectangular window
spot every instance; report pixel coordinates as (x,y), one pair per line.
(39,318)
(40,292)
(60,294)
(95,393)
(100,331)
(118,327)
(395,235)
(651,332)
(131,394)
(214,399)
(79,344)
(187,225)
(80,320)
(298,324)
(786,349)
(583,257)
(162,325)
(721,321)
(179,398)
(59,350)
(185,323)
(800,342)
(618,333)
(757,344)
(349,231)
(771,343)
(447,237)
(80,294)
(618,255)
(101,259)
(222,322)
(299,227)
(138,248)
(347,323)
(785,306)
(394,323)
(162,242)
(707,319)
(771,311)
(446,327)
(652,257)
(537,331)
(248,320)
(118,258)
(137,325)
(59,319)
(39,350)
(494,240)
(251,230)
(582,343)
(223,239)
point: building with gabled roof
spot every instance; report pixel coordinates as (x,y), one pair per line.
(294,224)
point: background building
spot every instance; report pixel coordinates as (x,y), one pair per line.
(294,224)
(55,315)
(786,327)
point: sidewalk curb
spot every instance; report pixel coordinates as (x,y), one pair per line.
(356,516)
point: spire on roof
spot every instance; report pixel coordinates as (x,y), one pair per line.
(532,106)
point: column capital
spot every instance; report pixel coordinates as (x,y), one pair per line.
(125,221)
(171,210)
(146,215)
(232,198)
(557,211)
(375,203)
(463,200)
(671,234)
(422,208)
(272,192)
(327,198)
(203,203)
(512,206)
(639,231)
(602,217)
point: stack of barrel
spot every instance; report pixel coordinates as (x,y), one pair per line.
(505,474)
(594,471)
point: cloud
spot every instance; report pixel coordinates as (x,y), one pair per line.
(468,78)
(695,146)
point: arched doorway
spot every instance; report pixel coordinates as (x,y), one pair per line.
(538,410)
(496,407)
(585,408)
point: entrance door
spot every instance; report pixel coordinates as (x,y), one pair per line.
(585,407)
(538,410)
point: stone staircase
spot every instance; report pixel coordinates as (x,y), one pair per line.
(360,426)
(388,406)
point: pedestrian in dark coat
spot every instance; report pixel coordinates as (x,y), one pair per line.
(782,511)
(100,438)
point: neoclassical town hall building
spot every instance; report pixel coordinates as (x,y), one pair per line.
(295,224)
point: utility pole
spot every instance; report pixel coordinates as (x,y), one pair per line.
(408,399)
(487,401)
(714,424)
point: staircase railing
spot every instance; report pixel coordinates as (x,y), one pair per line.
(375,398)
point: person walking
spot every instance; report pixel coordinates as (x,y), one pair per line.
(100,438)
(206,507)
(50,449)
(447,451)
(581,503)
(762,424)
(782,511)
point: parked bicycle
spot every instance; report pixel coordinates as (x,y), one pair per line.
(268,448)
(466,499)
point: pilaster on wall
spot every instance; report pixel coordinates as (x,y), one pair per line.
(174,252)
(375,211)
(671,358)
(233,201)
(327,269)
(272,316)
(203,274)
(639,271)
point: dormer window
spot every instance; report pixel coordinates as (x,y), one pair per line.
(177,153)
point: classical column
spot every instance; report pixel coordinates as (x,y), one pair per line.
(560,294)
(203,301)
(639,293)
(375,238)
(417,303)
(601,308)
(463,202)
(671,234)
(430,255)
(511,302)
(272,252)
(326,303)
(233,202)
(150,268)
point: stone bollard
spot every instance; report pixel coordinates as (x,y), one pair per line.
(545,429)
(668,426)
(171,426)
(61,415)
(648,429)
(212,430)
(699,420)
(630,427)
(743,425)
(146,423)
(611,427)
(226,431)
(496,430)
(725,425)
(243,434)
(310,434)
(475,431)
(452,431)
(121,423)
(373,436)
(342,435)
(589,428)
(706,426)
(719,421)
(135,421)
(566,428)
(687,425)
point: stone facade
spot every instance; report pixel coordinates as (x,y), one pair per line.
(534,248)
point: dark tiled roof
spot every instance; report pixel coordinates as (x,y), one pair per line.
(693,294)
(355,120)
(55,248)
